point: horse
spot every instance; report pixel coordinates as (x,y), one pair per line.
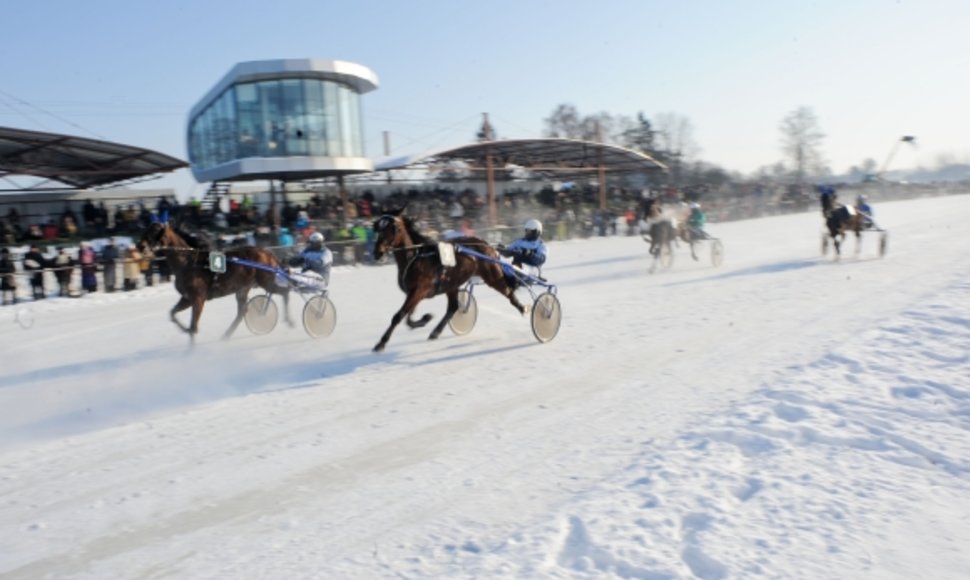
(421,274)
(840,220)
(661,231)
(188,259)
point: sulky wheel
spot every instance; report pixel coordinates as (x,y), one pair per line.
(717,253)
(465,317)
(546,317)
(825,244)
(262,314)
(319,316)
(883,243)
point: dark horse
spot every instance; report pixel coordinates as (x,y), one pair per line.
(188,259)
(420,273)
(841,219)
(661,232)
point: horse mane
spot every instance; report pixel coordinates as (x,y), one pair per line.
(196,241)
(416,236)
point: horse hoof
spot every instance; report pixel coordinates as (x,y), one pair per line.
(379,348)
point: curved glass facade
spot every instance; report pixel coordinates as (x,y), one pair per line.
(290,117)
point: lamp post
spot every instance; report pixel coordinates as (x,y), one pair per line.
(892,153)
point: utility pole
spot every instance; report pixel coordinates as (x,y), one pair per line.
(601,168)
(489,173)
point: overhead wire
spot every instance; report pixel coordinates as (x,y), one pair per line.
(50,114)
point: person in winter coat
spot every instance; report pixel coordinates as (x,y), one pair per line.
(8,280)
(63,265)
(35,262)
(89,267)
(132,267)
(109,263)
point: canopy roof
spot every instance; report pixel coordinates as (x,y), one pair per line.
(538,155)
(77,161)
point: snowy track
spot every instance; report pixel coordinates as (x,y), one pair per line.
(653,438)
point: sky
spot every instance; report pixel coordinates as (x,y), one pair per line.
(781,416)
(871,70)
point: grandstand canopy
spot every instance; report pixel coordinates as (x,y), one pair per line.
(77,161)
(557,156)
(553,157)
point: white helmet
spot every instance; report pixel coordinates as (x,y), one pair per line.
(533,225)
(694,205)
(316,238)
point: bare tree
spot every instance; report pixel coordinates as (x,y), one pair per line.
(801,140)
(638,135)
(674,136)
(564,122)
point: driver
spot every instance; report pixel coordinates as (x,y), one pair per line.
(315,257)
(528,250)
(865,209)
(696,221)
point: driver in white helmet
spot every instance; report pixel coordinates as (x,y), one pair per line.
(695,222)
(528,251)
(862,204)
(315,257)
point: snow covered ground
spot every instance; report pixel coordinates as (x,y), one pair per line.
(783,416)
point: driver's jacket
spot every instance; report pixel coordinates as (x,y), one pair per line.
(318,261)
(531,252)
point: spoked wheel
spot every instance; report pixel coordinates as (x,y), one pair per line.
(262,314)
(825,244)
(717,253)
(467,314)
(546,317)
(883,243)
(319,316)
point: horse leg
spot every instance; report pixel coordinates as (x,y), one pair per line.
(286,307)
(692,253)
(410,303)
(197,305)
(502,288)
(452,308)
(181,305)
(241,296)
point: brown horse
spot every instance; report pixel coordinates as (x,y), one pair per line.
(661,232)
(840,220)
(188,259)
(421,274)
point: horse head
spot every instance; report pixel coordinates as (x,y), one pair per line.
(652,208)
(390,232)
(152,237)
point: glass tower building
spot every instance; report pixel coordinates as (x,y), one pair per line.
(281,119)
